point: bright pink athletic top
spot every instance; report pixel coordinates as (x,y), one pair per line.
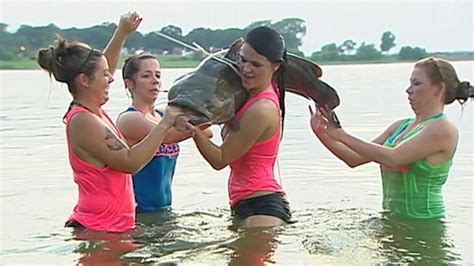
(106,200)
(253,171)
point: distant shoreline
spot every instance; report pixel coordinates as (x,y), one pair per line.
(30,64)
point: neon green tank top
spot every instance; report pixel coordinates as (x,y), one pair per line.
(415,192)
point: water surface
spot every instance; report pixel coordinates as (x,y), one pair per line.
(338,209)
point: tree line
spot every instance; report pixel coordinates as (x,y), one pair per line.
(27,40)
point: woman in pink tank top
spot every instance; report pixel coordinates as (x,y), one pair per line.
(256,198)
(100,159)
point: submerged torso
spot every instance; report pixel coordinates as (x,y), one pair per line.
(415,191)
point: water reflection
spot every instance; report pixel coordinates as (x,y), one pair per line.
(354,236)
(196,231)
(415,241)
(255,246)
(331,236)
(171,237)
(99,248)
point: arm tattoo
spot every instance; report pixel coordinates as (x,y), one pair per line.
(112,142)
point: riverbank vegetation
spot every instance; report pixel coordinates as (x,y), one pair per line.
(18,49)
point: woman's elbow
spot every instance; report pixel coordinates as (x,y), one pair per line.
(352,164)
(395,160)
(356,162)
(131,168)
(391,163)
(218,167)
(128,169)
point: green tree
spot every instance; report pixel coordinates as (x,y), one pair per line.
(3,27)
(367,52)
(329,52)
(154,43)
(96,36)
(9,43)
(347,46)
(253,25)
(224,38)
(388,41)
(412,53)
(36,37)
(172,30)
(293,30)
(135,42)
(203,37)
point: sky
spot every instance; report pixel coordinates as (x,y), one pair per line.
(434,25)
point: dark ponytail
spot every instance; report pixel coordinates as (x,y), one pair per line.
(280,81)
(271,44)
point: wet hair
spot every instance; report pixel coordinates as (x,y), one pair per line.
(271,44)
(439,70)
(68,59)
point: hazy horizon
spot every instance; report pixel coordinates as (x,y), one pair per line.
(437,26)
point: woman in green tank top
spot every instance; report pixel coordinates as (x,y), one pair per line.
(414,154)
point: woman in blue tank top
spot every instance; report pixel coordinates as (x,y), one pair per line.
(415,154)
(152,183)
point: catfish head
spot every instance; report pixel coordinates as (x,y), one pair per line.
(213,92)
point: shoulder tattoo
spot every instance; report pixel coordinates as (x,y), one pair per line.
(112,141)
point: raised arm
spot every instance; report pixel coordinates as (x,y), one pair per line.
(129,22)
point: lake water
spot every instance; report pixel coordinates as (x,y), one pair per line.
(338,209)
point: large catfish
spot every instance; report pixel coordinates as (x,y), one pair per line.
(213,92)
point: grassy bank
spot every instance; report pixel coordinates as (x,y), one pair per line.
(166,62)
(19,64)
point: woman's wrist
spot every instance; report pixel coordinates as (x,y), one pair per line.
(339,134)
(121,34)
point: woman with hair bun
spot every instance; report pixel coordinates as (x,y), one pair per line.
(414,154)
(99,156)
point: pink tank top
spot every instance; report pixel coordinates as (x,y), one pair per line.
(253,171)
(106,200)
